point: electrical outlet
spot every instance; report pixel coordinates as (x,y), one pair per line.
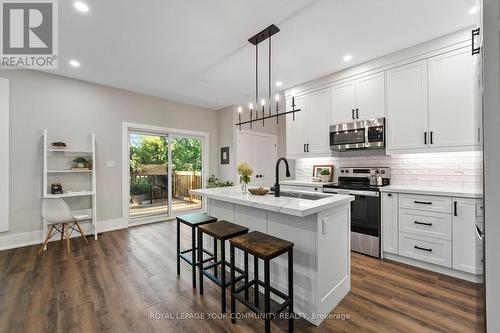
(110,164)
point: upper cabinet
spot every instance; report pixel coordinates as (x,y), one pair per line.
(407,115)
(452,122)
(307,136)
(360,98)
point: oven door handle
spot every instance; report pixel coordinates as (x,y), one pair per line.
(352,192)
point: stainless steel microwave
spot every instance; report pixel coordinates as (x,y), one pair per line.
(362,134)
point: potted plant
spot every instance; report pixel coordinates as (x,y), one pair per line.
(325,175)
(81,162)
(138,187)
(245,171)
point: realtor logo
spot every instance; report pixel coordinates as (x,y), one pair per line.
(29,34)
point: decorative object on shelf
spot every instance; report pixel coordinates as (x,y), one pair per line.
(258,191)
(81,163)
(56,188)
(318,172)
(215,182)
(138,188)
(224,155)
(59,144)
(265,34)
(316,179)
(245,171)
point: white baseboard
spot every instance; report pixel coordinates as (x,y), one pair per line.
(12,241)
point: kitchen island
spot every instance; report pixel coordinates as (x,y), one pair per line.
(318,225)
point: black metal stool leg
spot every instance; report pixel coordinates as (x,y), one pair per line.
(245,265)
(215,256)
(290,290)
(267,297)
(193,254)
(223,276)
(178,247)
(256,278)
(233,286)
(200,259)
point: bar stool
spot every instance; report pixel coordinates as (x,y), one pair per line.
(193,221)
(265,247)
(221,230)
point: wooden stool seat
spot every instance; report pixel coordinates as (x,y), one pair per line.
(193,220)
(261,245)
(221,230)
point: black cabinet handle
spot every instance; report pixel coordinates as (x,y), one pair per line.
(455,208)
(425,137)
(357,113)
(432,138)
(475,50)
(423,223)
(304,147)
(423,248)
(389,195)
(423,202)
(307,145)
(353,114)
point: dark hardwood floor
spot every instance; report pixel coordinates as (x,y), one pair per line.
(116,284)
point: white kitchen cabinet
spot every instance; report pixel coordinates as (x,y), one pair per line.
(360,98)
(390,232)
(467,243)
(407,109)
(343,102)
(370,96)
(308,135)
(452,120)
(260,151)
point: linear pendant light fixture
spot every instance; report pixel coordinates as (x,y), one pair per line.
(265,34)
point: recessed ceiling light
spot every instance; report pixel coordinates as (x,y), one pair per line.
(74,63)
(279,83)
(81,6)
(347,57)
(473,10)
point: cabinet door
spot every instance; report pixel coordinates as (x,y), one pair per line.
(318,123)
(390,230)
(407,111)
(247,153)
(370,96)
(267,155)
(296,131)
(343,102)
(467,245)
(452,113)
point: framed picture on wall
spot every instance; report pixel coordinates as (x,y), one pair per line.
(224,155)
(317,169)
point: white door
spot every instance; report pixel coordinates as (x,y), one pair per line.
(343,102)
(247,152)
(452,115)
(296,131)
(318,123)
(370,96)
(390,229)
(4,151)
(260,151)
(407,109)
(467,247)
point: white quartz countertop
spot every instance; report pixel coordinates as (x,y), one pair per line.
(303,183)
(442,191)
(285,205)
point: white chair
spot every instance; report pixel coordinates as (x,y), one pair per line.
(59,216)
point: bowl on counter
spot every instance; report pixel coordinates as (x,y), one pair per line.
(258,191)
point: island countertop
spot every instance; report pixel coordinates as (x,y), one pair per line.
(286,205)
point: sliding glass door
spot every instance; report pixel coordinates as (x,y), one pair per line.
(163,169)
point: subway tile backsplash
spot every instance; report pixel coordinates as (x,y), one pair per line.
(456,170)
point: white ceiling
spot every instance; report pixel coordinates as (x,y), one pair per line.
(196,51)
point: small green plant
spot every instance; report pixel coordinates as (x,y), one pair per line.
(215,182)
(81,160)
(245,171)
(139,186)
(325,172)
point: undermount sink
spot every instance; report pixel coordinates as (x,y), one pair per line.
(301,195)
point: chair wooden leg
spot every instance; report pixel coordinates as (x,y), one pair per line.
(46,239)
(81,232)
(66,234)
(62,233)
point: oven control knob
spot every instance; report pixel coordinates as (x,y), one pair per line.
(347,171)
(382,171)
(342,171)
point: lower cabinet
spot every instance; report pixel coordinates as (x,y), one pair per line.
(447,235)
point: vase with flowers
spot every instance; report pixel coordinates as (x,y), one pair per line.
(245,171)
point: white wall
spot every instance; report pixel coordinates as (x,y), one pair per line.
(492,160)
(4,152)
(76,108)
(457,170)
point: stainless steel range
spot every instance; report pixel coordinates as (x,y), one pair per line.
(364,183)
